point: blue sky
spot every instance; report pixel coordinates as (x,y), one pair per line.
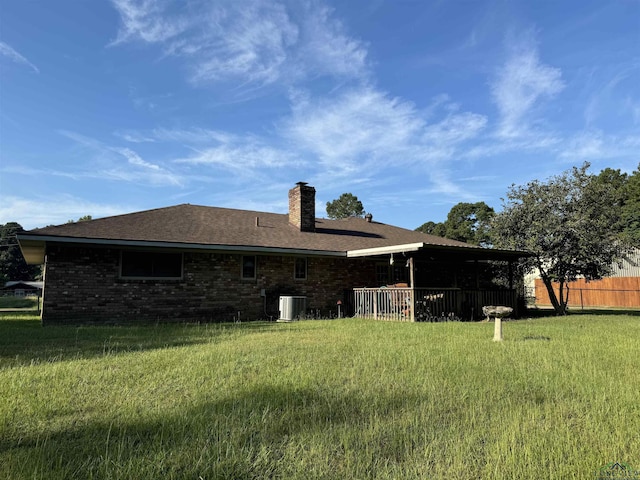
(109,107)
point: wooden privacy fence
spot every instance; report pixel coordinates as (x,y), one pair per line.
(427,304)
(622,292)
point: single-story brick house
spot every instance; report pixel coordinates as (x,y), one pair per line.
(198,263)
(22,288)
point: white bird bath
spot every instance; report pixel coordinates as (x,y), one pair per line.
(498,312)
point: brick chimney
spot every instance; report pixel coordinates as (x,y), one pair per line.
(302,207)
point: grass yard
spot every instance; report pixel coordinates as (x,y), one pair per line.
(11,302)
(336,399)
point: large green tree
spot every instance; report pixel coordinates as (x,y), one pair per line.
(12,263)
(467,222)
(566,224)
(347,205)
(625,190)
(630,211)
(432,228)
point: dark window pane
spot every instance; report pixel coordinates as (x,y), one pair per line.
(249,266)
(382,273)
(300,269)
(151,264)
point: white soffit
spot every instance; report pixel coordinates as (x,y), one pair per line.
(370,252)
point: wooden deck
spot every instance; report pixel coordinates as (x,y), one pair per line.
(427,304)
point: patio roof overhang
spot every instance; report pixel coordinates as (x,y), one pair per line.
(419,250)
(373,252)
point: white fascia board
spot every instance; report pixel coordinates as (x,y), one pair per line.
(370,252)
(42,239)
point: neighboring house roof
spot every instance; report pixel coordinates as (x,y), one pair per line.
(200,227)
(629,266)
(16,284)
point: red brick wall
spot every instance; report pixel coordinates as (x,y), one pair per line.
(82,284)
(302,207)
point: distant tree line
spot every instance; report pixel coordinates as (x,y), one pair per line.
(12,263)
(13,267)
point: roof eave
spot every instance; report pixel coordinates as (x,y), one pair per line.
(33,246)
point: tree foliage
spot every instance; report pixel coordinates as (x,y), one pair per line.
(433,228)
(84,218)
(466,222)
(625,190)
(568,225)
(470,222)
(12,263)
(347,205)
(630,211)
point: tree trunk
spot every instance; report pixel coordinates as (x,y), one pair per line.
(560,306)
(565,299)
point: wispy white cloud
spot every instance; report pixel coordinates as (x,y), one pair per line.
(9,52)
(249,40)
(188,136)
(612,95)
(526,142)
(353,135)
(39,172)
(134,136)
(37,212)
(596,145)
(585,145)
(253,42)
(148,20)
(135,159)
(326,48)
(354,131)
(633,106)
(106,162)
(246,157)
(455,129)
(521,83)
(364,131)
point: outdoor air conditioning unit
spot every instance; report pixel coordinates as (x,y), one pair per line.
(292,307)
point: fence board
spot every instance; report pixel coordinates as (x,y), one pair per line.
(622,292)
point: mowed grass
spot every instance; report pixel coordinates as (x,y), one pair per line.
(10,302)
(336,399)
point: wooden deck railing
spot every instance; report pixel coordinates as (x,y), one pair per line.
(427,304)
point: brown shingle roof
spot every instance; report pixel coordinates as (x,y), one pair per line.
(210,226)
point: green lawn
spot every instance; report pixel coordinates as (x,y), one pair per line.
(336,399)
(19,302)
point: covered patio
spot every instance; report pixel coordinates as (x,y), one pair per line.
(426,282)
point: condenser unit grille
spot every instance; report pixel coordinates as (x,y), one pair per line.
(292,307)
